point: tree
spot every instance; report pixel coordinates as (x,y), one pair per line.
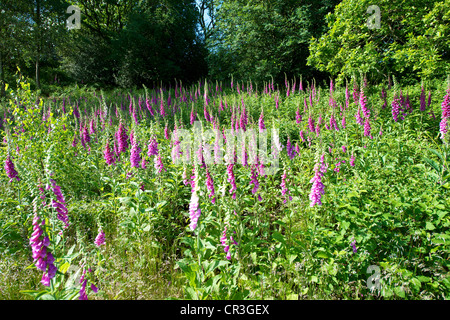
(413,40)
(258,39)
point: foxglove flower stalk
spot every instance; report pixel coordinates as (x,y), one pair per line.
(193,116)
(384,96)
(395,108)
(298,116)
(231,180)
(367,128)
(85,135)
(302,136)
(60,204)
(162,111)
(343,122)
(223,241)
(333,123)
(152,147)
(284,189)
(100,239)
(92,127)
(347,97)
(166,132)
(355,94)
(445,106)
(108,155)
(363,104)
(353,244)
(149,107)
(358,117)
(159,164)
(317,130)
(290,149)
(311,124)
(176,150)
(210,186)
(317,189)
(206,114)
(135,157)
(352,160)
(122,139)
(423,104)
(261,122)
(10,170)
(83,281)
(194,207)
(41,257)
(254,179)
(37,244)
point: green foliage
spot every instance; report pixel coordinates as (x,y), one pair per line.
(412,40)
(259,39)
(389,210)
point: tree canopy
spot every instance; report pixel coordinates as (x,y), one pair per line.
(413,40)
(134,42)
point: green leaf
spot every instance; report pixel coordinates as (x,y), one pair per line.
(429,226)
(423,279)
(399,291)
(191,294)
(64,267)
(323,255)
(279,237)
(415,283)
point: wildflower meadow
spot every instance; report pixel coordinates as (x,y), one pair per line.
(108,195)
(224,150)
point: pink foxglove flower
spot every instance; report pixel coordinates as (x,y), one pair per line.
(210,186)
(60,204)
(108,155)
(135,157)
(152,147)
(284,189)
(358,117)
(100,239)
(311,124)
(122,139)
(298,116)
(317,189)
(352,160)
(159,164)
(231,180)
(223,241)
(10,170)
(254,179)
(290,149)
(261,122)
(367,128)
(395,108)
(194,207)
(363,104)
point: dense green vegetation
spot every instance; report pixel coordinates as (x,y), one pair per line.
(98,199)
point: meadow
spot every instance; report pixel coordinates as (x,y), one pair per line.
(100,199)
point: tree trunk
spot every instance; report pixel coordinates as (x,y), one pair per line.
(38,43)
